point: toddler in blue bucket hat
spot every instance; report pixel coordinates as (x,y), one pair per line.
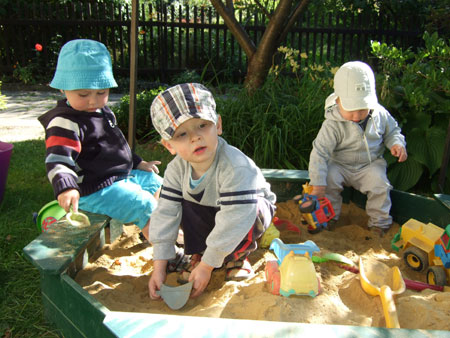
(88,160)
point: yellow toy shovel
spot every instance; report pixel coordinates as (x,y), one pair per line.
(378,280)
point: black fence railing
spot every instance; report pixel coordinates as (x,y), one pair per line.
(177,38)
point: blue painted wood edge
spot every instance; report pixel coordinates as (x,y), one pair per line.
(137,325)
(54,250)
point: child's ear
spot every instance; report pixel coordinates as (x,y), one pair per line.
(219,125)
(168,146)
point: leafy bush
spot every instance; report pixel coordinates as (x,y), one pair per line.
(144,127)
(415,88)
(276,125)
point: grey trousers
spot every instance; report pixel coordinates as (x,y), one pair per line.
(371,181)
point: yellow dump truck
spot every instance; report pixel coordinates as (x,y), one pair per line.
(426,247)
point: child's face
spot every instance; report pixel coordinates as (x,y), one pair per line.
(352,115)
(87,99)
(195,141)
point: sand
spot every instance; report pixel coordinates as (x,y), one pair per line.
(117,276)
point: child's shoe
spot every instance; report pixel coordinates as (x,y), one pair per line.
(188,266)
(331,224)
(378,232)
(177,263)
(239,270)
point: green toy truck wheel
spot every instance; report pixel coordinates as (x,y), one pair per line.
(416,258)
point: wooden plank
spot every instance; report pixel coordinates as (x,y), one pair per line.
(344,24)
(187,39)
(202,31)
(445,161)
(172,40)
(144,61)
(133,74)
(443,199)
(163,63)
(210,32)
(52,252)
(321,38)
(314,42)
(180,31)
(195,31)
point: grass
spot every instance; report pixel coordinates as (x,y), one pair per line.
(28,189)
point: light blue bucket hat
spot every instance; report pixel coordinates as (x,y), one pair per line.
(83,64)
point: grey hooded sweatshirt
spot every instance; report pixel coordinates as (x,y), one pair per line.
(347,144)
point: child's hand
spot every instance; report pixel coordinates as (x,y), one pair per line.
(149,166)
(157,278)
(69,198)
(318,190)
(200,276)
(400,152)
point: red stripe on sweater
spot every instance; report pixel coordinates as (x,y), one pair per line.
(64,142)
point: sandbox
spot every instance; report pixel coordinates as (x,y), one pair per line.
(62,254)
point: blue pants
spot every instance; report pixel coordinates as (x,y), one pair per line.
(129,200)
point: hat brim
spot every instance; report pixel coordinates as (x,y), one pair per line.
(352,103)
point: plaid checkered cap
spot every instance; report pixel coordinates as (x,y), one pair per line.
(354,83)
(180,103)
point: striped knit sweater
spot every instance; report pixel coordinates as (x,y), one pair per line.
(85,151)
(233,183)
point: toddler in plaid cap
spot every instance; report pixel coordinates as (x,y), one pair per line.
(214,192)
(349,148)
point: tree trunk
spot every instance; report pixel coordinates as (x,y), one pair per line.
(260,58)
(259,64)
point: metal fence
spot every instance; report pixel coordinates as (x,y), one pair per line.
(177,38)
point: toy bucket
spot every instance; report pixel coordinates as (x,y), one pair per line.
(48,215)
(5,156)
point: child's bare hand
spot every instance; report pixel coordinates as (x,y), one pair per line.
(157,278)
(149,166)
(200,276)
(318,190)
(69,198)
(400,152)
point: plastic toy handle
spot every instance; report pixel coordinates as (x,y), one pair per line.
(389,309)
(410,284)
(419,286)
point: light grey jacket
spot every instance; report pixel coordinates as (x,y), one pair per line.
(233,183)
(345,143)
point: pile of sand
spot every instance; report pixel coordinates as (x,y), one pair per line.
(118,275)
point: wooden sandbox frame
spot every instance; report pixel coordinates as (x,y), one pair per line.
(61,253)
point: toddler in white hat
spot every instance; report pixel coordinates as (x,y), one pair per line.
(348,150)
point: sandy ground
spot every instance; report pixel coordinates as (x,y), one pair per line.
(117,276)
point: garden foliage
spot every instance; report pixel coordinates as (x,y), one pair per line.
(144,127)
(415,88)
(277,123)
